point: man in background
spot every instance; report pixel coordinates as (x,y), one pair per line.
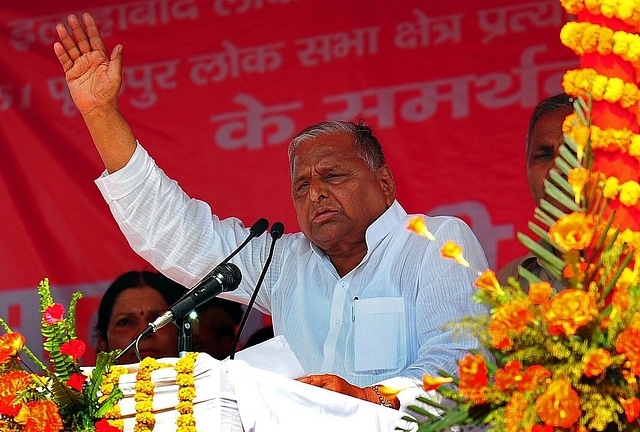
(544,138)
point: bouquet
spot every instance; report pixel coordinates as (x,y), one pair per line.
(62,398)
(567,359)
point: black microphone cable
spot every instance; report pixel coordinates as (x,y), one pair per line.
(276,232)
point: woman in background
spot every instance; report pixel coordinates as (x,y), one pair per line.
(133,300)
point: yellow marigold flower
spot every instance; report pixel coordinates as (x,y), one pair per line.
(573,231)
(597,362)
(570,310)
(453,251)
(610,188)
(487,281)
(578,178)
(629,193)
(431,383)
(540,292)
(559,405)
(419,226)
(515,411)
(634,146)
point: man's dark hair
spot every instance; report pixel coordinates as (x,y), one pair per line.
(547,106)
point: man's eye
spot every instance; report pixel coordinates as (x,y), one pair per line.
(302,186)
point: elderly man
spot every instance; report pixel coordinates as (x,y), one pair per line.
(359,298)
(544,138)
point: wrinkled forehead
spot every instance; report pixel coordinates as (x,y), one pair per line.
(328,148)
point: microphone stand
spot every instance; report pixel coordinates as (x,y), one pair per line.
(276,232)
(185,336)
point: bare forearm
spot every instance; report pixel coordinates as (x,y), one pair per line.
(112,137)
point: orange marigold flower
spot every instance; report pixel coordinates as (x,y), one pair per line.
(10,384)
(515,411)
(509,317)
(431,383)
(43,416)
(628,343)
(532,377)
(473,376)
(10,346)
(453,251)
(573,231)
(487,281)
(570,310)
(597,362)
(631,408)
(559,405)
(540,292)
(508,375)
(575,270)
(419,226)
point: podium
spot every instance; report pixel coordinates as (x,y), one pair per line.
(232,396)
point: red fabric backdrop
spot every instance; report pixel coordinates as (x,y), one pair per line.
(214,89)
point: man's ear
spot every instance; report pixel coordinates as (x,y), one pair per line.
(387,184)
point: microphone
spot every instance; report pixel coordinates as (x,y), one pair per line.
(204,290)
(225,277)
(276,232)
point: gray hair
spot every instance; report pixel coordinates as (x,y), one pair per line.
(367,146)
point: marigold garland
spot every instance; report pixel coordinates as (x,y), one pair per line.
(109,381)
(584,38)
(144,388)
(579,82)
(627,11)
(186,422)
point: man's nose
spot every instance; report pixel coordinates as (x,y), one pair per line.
(317,190)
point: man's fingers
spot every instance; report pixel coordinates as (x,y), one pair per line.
(95,40)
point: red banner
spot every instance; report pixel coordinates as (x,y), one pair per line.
(214,89)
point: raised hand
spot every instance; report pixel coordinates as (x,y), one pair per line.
(94,78)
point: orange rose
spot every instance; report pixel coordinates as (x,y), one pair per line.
(597,362)
(573,231)
(509,317)
(473,376)
(569,310)
(559,405)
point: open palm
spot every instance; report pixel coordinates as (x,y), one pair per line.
(93,77)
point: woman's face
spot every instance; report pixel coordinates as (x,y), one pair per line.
(132,312)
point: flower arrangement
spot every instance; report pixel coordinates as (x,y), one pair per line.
(61,399)
(567,359)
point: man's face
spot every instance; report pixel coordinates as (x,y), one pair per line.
(546,139)
(335,193)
